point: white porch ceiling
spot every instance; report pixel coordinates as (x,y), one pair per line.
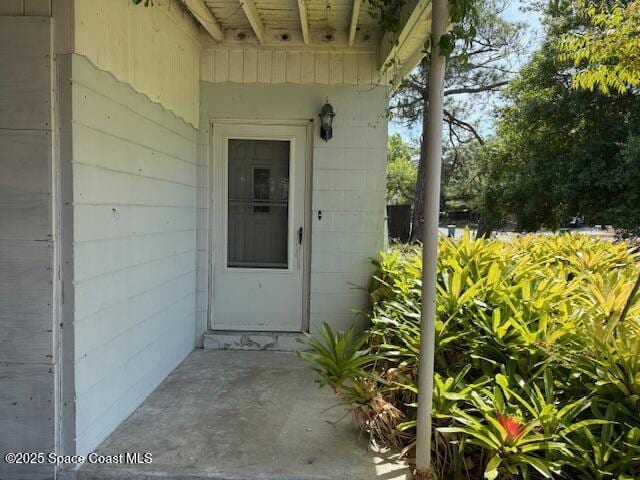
(271,19)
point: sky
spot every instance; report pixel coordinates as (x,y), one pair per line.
(514,13)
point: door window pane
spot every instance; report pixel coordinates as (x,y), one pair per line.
(258,203)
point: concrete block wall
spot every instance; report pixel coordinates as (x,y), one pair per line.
(134,247)
(349,174)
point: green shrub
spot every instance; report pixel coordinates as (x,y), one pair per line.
(339,357)
(536,374)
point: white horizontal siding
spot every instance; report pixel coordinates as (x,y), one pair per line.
(135,197)
(110,256)
(122,285)
(348,186)
(155,50)
(100,222)
(105,111)
(130,384)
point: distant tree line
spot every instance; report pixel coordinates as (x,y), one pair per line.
(568,140)
(564,138)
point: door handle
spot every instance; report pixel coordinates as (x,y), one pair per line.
(300,235)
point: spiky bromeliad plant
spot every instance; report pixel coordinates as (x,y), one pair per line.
(536,374)
(512,443)
(339,356)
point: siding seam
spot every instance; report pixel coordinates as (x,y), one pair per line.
(132,266)
(134,384)
(136,112)
(112,304)
(123,172)
(124,139)
(123,237)
(102,346)
(117,204)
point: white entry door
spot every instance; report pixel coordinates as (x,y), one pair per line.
(258,230)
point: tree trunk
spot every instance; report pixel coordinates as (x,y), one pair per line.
(417,220)
(482,231)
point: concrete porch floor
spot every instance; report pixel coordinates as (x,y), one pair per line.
(236,415)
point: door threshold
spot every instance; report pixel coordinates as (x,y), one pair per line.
(243,340)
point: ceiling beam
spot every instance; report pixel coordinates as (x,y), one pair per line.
(413,18)
(355,14)
(304,20)
(251,11)
(204,16)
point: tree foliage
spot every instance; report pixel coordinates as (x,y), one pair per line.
(402,168)
(606,52)
(559,151)
(463,178)
(476,68)
(463,15)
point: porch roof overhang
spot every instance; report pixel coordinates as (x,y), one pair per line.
(310,30)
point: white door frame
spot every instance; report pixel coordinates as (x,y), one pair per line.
(308,193)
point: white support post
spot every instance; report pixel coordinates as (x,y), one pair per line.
(439,21)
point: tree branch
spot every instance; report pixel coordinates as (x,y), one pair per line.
(483,88)
(467,126)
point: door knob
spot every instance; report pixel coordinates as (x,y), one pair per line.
(300,235)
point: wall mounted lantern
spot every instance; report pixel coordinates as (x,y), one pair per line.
(326,121)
